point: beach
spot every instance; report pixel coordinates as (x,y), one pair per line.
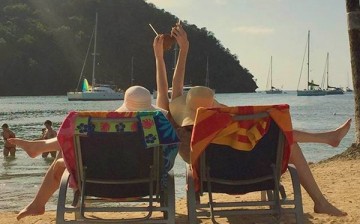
(338,178)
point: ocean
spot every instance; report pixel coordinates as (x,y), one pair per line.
(20,177)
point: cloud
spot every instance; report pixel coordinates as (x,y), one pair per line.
(253,30)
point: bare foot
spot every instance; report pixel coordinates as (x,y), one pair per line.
(337,135)
(31,210)
(28,146)
(329,209)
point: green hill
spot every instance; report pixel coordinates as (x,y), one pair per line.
(43,45)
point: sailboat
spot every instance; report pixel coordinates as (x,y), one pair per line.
(347,89)
(96,91)
(312,88)
(330,90)
(272,89)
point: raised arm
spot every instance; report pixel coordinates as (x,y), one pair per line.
(179,73)
(162,99)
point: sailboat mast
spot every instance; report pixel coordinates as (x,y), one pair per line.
(271,85)
(94,54)
(132,71)
(175,55)
(207,81)
(308,62)
(327,70)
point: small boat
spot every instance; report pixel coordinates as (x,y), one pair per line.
(312,89)
(186,88)
(96,91)
(347,89)
(272,89)
(330,90)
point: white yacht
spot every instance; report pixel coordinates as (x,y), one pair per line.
(96,91)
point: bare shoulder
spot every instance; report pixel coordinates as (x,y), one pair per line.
(53,133)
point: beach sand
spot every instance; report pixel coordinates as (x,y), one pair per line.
(339,179)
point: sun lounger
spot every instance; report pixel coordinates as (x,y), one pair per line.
(238,150)
(119,163)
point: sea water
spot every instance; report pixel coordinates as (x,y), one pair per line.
(20,177)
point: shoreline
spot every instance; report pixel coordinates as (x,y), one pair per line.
(339,180)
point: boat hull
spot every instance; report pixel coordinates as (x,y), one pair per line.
(334,92)
(277,91)
(186,89)
(94,96)
(311,93)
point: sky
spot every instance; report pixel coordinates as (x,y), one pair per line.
(255,30)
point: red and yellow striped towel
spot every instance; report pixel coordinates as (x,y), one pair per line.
(215,125)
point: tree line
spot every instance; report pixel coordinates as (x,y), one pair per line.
(43,46)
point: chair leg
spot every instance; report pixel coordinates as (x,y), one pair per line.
(190,194)
(61,205)
(299,213)
(170,198)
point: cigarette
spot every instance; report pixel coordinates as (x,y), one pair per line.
(153,29)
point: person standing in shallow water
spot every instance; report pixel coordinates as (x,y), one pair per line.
(8,147)
(49,133)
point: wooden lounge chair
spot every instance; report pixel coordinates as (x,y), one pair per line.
(117,164)
(246,150)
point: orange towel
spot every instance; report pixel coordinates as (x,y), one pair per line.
(215,125)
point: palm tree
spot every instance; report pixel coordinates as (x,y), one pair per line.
(353,11)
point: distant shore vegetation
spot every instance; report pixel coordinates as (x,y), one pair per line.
(43,46)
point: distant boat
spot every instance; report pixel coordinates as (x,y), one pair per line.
(186,88)
(96,91)
(272,89)
(312,88)
(347,89)
(330,90)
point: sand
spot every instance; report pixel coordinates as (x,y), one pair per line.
(338,179)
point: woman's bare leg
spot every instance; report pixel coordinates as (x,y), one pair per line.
(332,138)
(321,204)
(48,187)
(36,147)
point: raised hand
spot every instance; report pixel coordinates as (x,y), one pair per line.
(181,36)
(158,46)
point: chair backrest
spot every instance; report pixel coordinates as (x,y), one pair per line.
(116,154)
(263,162)
(104,159)
(247,145)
